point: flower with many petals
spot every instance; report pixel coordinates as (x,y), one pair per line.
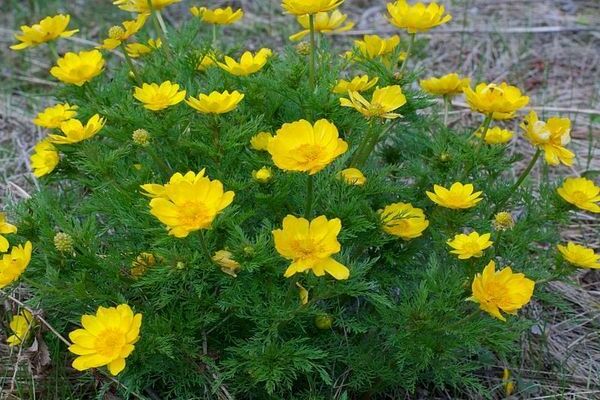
(78,68)
(217,16)
(21,326)
(418,17)
(373,47)
(329,23)
(580,256)
(471,245)
(359,84)
(260,141)
(300,146)
(458,197)
(447,85)
(551,136)
(582,193)
(107,338)
(496,101)
(52,117)
(310,246)
(117,34)
(496,135)
(48,29)
(215,103)
(74,131)
(5,229)
(136,50)
(383,102)
(143,6)
(403,220)
(302,7)
(44,159)
(13,264)
(352,176)
(158,97)
(249,63)
(502,290)
(224,259)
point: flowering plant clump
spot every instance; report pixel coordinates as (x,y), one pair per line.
(328,244)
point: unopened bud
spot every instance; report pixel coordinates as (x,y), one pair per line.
(63,242)
(116,32)
(141,137)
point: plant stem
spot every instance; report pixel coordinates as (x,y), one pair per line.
(52,47)
(158,28)
(159,161)
(205,247)
(311,67)
(447,104)
(484,130)
(214,36)
(309,196)
(411,43)
(131,65)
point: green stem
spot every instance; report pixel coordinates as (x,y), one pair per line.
(309,196)
(411,43)
(214,36)
(159,161)
(447,104)
(205,247)
(519,181)
(131,65)
(158,28)
(311,67)
(52,47)
(484,130)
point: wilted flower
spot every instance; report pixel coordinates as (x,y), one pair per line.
(359,83)
(501,291)
(107,338)
(52,117)
(403,220)
(135,50)
(249,63)
(78,68)
(142,262)
(302,293)
(74,131)
(143,6)
(263,175)
(582,193)
(496,135)
(300,146)
(5,229)
(418,17)
(260,141)
(459,196)
(324,23)
(224,259)
(215,103)
(551,136)
(301,7)
(63,242)
(141,137)
(218,16)
(310,246)
(352,176)
(117,34)
(447,85)
(158,97)
(14,263)
(496,101)
(21,326)
(503,221)
(383,102)
(46,30)
(471,245)
(580,256)
(44,159)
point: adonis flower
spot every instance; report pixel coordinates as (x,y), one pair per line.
(224,259)
(117,35)
(496,135)
(135,50)
(78,68)
(215,103)
(140,265)
(403,220)
(74,131)
(359,83)
(471,245)
(459,196)
(44,159)
(502,290)
(248,63)
(324,23)
(447,85)
(580,256)
(310,246)
(14,263)
(21,326)
(383,102)
(158,97)
(218,16)
(496,101)
(582,193)
(143,6)
(300,146)
(260,141)
(353,176)
(53,117)
(418,17)
(107,338)
(46,30)
(374,46)
(188,202)
(551,136)
(301,7)
(5,229)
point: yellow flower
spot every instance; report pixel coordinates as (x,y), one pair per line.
(324,23)
(458,197)
(260,141)
(447,85)
(302,293)
(188,203)
(52,117)
(44,159)
(218,16)
(5,229)
(74,131)
(501,291)
(300,146)
(352,176)
(373,46)
(551,136)
(14,263)
(471,245)
(208,60)
(78,68)
(383,102)
(215,103)
(142,262)
(143,6)
(581,192)
(135,50)
(498,101)
(496,135)
(21,326)
(263,175)
(48,29)
(301,7)
(249,63)
(224,259)
(418,17)
(509,385)
(107,338)
(117,35)
(158,97)
(580,256)
(310,246)
(359,83)
(403,220)
(503,221)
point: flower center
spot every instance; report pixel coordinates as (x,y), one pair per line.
(310,152)
(472,247)
(579,196)
(110,343)
(194,214)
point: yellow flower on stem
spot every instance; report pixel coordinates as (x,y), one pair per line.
(224,259)
(302,7)
(502,290)
(496,101)
(215,103)
(249,63)
(496,135)
(582,193)
(107,338)
(260,141)
(503,221)
(13,264)
(143,6)
(310,246)
(208,60)
(403,220)
(78,68)
(324,22)
(117,34)
(359,84)
(471,245)
(21,326)
(188,203)
(383,102)
(52,117)
(158,97)
(300,146)
(551,136)
(48,29)
(136,50)
(44,159)
(374,46)
(580,256)
(263,175)
(352,176)
(5,229)
(418,17)
(74,131)
(217,16)
(447,85)
(459,196)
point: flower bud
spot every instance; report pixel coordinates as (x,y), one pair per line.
(116,32)
(263,175)
(303,49)
(141,137)
(63,242)
(503,221)
(324,321)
